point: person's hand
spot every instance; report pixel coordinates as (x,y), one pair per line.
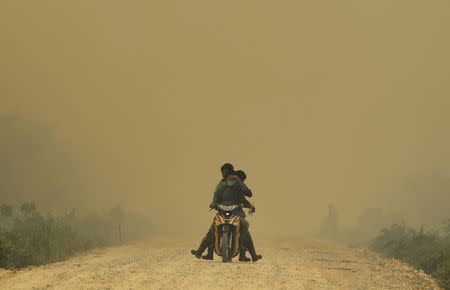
(212,206)
(253,209)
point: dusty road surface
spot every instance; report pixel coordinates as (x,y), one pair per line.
(165,264)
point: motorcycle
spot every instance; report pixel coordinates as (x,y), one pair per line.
(227,232)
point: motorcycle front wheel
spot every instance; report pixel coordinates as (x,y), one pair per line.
(225,247)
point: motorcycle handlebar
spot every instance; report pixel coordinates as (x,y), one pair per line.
(250,212)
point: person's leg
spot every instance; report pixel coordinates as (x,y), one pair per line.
(210,253)
(251,248)
(243,252)
(243,240)
(206,241)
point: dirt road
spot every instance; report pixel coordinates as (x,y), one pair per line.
(165,264)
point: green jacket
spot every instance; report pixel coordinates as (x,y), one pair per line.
(231,191)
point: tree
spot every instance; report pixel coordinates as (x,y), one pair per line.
(329,226)
(446,226)
(117,214)
(28,208)
(6,210)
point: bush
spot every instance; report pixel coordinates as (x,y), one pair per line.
(36,240)
(425,250)
(5,250)
(6,210)
(446,227)
(443,274)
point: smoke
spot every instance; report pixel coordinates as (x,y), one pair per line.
(34,164)
(318,102)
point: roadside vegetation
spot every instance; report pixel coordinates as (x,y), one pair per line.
(429,251)
(389,236)
(29,238)
(31,152)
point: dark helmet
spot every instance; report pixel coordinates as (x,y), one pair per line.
(241,175)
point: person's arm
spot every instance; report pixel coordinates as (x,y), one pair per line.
(249,193)
(214,200)
(242,187)
(217,195)
(246,203)
(244,191)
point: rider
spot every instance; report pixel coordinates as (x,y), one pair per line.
(230,190)
(242,256)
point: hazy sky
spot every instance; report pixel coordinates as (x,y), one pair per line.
(319,101)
